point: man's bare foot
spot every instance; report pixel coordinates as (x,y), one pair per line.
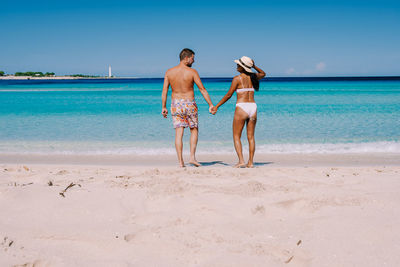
(250,165)
(240,165)
(195,163)
(182,164)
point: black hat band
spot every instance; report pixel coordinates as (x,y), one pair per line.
(244,64)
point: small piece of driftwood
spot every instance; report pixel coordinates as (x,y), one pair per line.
(68,187)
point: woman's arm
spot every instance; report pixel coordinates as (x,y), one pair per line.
(260,74)
(228,95)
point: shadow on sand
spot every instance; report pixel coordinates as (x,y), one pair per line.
(211,163)
(256,164)
(219,162)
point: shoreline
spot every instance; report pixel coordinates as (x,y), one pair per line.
(215,160)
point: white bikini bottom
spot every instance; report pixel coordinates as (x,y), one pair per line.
(249,107)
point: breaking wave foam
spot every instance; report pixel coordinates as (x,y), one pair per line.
(101,148)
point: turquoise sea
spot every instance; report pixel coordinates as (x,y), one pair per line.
(124,117)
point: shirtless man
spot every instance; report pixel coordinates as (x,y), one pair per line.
(183,105)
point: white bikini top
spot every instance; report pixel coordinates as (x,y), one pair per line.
(244,89)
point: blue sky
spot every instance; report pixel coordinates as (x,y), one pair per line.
(143,39)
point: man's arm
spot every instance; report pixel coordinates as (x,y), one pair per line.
(164,95)
(203,90)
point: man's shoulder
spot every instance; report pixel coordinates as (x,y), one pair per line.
(171,69)
(188,71)
(192,71)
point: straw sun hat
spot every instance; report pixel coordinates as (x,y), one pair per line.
(246,63)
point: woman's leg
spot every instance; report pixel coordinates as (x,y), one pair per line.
(251,126)
(239,120)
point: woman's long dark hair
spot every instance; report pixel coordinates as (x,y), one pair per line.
(254,80)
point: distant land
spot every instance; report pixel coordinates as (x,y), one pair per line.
(66,77)
(47,75)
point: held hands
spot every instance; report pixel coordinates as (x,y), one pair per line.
(164,112)
(213,110)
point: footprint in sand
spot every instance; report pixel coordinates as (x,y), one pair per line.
(123,177)
(129,237)
(7,243)
(295,255)
(294,204)
(259,209)
(36,263)
(153,172)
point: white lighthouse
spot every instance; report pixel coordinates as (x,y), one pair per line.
(109,72)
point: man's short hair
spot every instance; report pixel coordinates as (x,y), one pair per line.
(186,52)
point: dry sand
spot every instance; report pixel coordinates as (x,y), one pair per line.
(335,211)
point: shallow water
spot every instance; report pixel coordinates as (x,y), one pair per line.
(124,117)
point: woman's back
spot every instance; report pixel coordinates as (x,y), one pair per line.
(245,90)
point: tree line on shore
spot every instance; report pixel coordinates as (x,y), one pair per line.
(35,73)
(31,73)
(47,74)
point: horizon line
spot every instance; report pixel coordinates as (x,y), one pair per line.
(203,77)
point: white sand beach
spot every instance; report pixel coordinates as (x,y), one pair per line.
(291,210)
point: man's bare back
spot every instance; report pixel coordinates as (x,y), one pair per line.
(181,79)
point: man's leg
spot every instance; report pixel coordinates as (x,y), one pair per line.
(194,135)
(179,145)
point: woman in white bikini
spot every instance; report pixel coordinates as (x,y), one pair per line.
(246,108)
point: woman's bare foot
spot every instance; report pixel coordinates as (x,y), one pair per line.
(250,165)
(195,163)
(182,164)
(240,165)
